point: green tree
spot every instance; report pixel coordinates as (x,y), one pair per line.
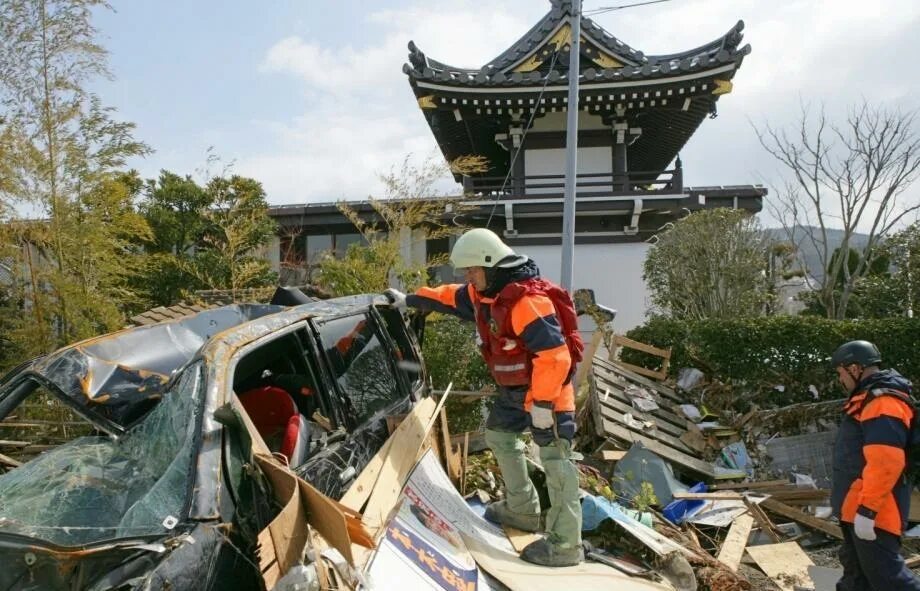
(852,175)
(859,299)
(64,156)
(893,292)
(237,227)
(174,207)
(710,264)
(411,210)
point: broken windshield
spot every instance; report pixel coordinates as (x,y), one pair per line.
(98,488)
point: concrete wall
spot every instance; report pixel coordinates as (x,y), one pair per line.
(613,271)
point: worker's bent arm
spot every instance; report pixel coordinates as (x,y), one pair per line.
(455,299)
(534,320)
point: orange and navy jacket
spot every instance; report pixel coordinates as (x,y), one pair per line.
(533,323)
(870,453)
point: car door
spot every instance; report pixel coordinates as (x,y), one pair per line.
(361,367)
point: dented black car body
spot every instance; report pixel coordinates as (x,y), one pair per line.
(162,493)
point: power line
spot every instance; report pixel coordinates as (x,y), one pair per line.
(603,9)
(518,151)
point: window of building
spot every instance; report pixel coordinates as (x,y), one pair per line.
(317,245)
(342,242)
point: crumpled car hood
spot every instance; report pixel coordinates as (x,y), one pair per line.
(112,376)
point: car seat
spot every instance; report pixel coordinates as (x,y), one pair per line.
(278,421)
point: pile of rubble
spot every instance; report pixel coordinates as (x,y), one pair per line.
(746,492)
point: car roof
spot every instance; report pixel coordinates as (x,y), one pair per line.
(110,375)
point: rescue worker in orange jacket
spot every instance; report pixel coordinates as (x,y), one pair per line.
(524,346)
(870,493)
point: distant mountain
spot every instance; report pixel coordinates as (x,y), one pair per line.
(808,251)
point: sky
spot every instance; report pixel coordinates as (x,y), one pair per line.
(308,96)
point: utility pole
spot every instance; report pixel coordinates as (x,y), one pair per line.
(571,151)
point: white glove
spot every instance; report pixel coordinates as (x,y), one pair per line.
(397,299)
(542,417)
(864,527)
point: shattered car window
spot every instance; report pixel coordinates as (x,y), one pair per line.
(361,364)
(97,488)
(38,423)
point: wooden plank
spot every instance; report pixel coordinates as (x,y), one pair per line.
(357,494)
(463,460)
(614,408)
(667,452)
(656,434)
(709,496)
(779,508)
(612,455)
(8,461)
(622,341)
(643,371)
(733,547)
(786,564)
(617,391)
(451,457)
(618,369)
(766,526)
(407,442)
(520,539)
(749,485)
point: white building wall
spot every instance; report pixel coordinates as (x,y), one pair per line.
(596,160)
(613,271)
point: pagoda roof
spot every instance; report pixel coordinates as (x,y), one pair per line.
(667,96)
(605,58)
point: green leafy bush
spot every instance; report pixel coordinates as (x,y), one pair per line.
(792,351)
(451,355)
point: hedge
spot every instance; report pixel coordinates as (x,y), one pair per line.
(792,351)
(452,356)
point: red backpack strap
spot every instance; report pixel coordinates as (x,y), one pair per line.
(565,314)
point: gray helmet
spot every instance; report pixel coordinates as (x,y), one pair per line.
(863,353)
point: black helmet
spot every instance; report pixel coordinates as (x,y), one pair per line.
(863,353)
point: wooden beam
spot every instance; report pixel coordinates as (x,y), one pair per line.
(612,455)
(735,542)
(668,453)
(783,510)
(766,526)
(749,485)
(643,371)
(709,496)
(8,461)
(645,348)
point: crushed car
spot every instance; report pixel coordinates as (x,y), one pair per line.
(157,489)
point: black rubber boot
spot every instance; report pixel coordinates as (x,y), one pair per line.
(498,512)
(545,553)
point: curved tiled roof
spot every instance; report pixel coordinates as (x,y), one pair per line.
(721,51)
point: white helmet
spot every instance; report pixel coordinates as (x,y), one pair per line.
(483,248)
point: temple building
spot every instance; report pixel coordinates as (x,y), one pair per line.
(636,112)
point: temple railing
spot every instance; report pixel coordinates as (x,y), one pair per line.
(594,185)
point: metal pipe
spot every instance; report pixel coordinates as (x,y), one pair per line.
(571,146)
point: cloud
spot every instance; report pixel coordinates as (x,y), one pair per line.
(360,117)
